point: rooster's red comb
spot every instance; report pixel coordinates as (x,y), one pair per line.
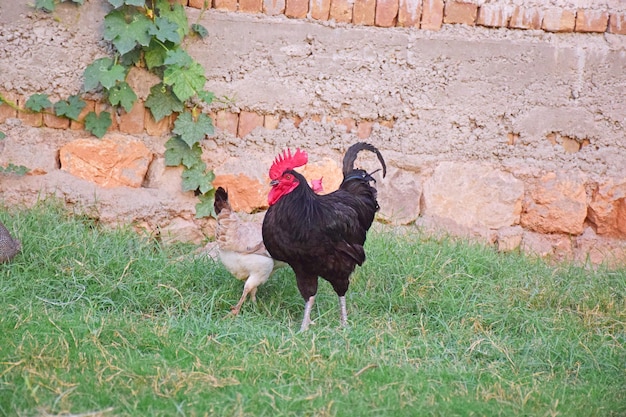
(287,161)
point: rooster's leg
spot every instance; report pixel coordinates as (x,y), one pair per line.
(343,311)
(306,321)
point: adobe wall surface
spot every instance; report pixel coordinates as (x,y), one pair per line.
(516,136)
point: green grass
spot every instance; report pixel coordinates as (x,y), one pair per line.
(102,323)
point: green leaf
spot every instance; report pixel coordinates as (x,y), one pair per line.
(195,178)
(193,131)
(45,5)
(15,169)
(176,13)
(126,31)
(155,54)
(131,58)
(162,102)
(205,207)
(178,57)
(206,96)
(122,94)
(98,124)
(2,135)
(200,30)
(38,102)
(103,71)
(165,30)
(78,2)
(185,81)
(69,108)
(120,3)
(177,152)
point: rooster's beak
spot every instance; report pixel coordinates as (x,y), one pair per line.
(274,182)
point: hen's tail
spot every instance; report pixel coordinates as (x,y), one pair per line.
(221,200)
(351,154)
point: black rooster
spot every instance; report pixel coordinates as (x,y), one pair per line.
(320,235)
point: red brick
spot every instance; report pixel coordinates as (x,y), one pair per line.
(364,129)
(526,18)
(463,13)
(55,122)
(248,121)
(271,121)
(340,10)
(78,124)
(432,14)
(199,4)
(100,107)
(31,119)
(409,13)
(273,7)
(229,5)
(364,12)
(591,21)
(227,122)
(251,6)
(133,121)
(493,15)
(559,20)
(386,13)
(320,9)
(154,128)
(6,111)
(296,8)
(617,24)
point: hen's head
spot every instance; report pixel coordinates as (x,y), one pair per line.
(284,179)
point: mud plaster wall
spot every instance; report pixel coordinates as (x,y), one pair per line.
(513,99)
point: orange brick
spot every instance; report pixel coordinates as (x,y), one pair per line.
(273,7)
(591,21)
(387,123)
(78,124)
(463,13)
(364,12)
(296,8)
(271,121)
(559,20)
(199,4)
(432,14)
(526,18)
(349,123)
(617,24)
(228,5)
(493,15)
(31,119)
(100,107)
(364,129)
(248,121)
(55,122)
(320,9)
(6,111)
(386,13)
(227,122)
(251,6)
(409,13)
(154,128)
(133,121)
(297,120)
(341,10)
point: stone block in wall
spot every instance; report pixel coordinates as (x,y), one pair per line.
(326,169)
(459,12)
(409,13)
(273,7)
(271,121)
(607,209)
(55,122)
(251,6)
(6,111)
(386,13)
(133,122)
(432,14)
(399,196)
(79,124)
(227,121)
(199,4)
(297,9)
(526,18)
(591,21)
(154,128)
(364,129)
(320,9)
(340,10)
(245,194)
(114,161)
(617,24)
(248,121)
(473,195)
(493,15)
(559,20)
(227,5)
(557,203)
(364,12)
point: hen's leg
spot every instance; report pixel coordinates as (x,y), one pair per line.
(235,309)
(306,321)
(343,311)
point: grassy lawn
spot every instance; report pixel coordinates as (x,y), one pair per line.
(102,323)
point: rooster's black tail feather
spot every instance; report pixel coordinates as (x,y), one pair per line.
(352,152)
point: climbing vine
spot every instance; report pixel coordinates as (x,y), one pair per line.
(148,34)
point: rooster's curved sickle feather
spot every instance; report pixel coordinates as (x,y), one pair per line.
(287,161)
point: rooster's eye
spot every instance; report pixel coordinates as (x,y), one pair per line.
(288,177)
